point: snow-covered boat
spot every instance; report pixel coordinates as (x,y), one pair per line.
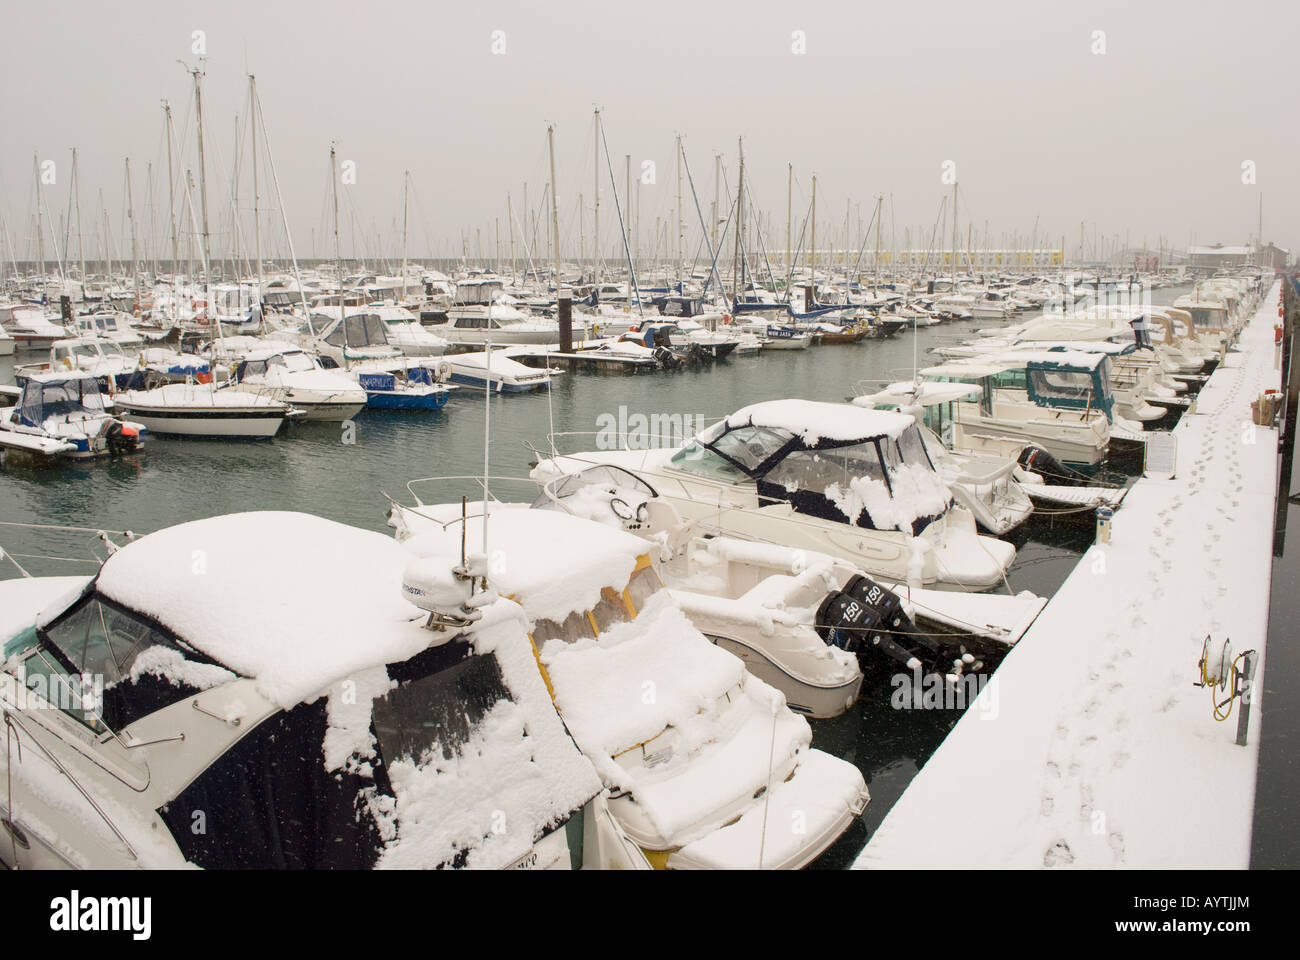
(109,325)
(205,410)
(808,624)
(704,763)
(1063,405)
(63,416)
(145,702)
(290,374)
(29,327)
(506,375)
(984,482)
(836,478)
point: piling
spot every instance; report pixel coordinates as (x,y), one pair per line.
(566,324)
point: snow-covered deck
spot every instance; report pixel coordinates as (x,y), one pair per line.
(1091,747)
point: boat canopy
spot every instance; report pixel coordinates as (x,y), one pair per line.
(47,395)
(928,393)
(834,461)
(433,734)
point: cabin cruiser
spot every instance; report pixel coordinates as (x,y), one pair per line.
(854,483)
(483,313)
(776,336)
(1062,405)
(63,415)
(404,331)
(373,733)
(288,373)
(696,344)
(782,611)
(104,359)
(985,483)
(494,368)
(703,762)
(360,348)
(206,410)
(29,327)
(109,325)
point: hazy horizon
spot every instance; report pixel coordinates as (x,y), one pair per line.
(1143,143)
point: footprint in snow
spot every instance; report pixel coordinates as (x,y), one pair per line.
(1118,761)
(1058,855)
(1116,841)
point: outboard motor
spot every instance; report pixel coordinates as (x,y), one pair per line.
(1034,459)
(667,359)
(120,439)
(864,617)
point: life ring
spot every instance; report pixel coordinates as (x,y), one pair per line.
(726,318)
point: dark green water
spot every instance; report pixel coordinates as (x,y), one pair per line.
(310,468)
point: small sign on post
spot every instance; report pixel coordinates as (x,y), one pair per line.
(1161,456)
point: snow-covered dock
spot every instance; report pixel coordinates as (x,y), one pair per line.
(1091,746)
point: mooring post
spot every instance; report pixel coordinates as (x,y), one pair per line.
(1247,678)
(566,324)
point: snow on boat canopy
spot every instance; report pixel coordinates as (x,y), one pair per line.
(529,548)
(814,421)
(906,393)
(323,725)
(836,461)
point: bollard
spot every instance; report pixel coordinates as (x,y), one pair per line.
(566,324)
(1246,678)
(1104,515)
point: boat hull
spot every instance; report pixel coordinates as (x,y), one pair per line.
(215,424)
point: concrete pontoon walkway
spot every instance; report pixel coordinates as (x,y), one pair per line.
(1091,747)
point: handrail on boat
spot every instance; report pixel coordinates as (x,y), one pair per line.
(477,478)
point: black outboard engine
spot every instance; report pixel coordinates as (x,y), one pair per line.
(866,619)
(1035,459)
(667,359)
(120,439)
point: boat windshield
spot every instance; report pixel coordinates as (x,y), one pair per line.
(817,470)
(698,459)
(751,446)
(294,362)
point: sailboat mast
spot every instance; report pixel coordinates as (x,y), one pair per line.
(406,189)
(171,187)
(257,223)
(555,215)
(338,252)
(954,237)
(789,209)
(203,187)
(812,243)
(40,221)
(595,168)
(81,251)
(680,236)
(130,214)
(740,223)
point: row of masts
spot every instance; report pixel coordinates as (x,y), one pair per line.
(746,228)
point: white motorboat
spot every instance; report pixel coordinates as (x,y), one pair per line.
(371,734)
(294,376)
(205,410)
(836,478)
(703,762)
(29,326)
(63,415)
(506,375)
(1063,406)
(984,482)
(109,325)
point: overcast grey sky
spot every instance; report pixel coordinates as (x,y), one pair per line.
(1149,136)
